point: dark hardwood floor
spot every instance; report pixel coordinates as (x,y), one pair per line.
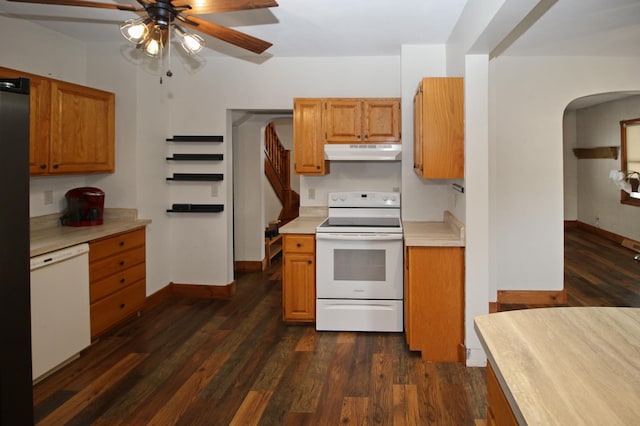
(213,362)
(599,272)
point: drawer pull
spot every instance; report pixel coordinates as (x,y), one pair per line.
(122,306)
(298,245)
(121,243)
(121,263)
(122,280)
(309,262)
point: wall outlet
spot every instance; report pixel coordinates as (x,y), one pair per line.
(312,193)
(214,190)
(48,197)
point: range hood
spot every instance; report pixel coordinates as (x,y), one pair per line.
(363,152)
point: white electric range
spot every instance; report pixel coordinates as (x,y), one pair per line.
(359,263)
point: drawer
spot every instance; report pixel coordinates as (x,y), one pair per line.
(117,281)
(116,307)
(116,244)
(299,244)
(110,265)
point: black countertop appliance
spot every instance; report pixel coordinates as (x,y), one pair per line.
(85,207)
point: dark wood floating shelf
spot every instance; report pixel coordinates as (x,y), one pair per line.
(196,157)
(196,208)
(206,177)
(195,139)
(598,152)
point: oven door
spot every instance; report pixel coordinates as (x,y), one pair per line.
(359,266)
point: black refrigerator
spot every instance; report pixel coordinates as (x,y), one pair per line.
(16,393)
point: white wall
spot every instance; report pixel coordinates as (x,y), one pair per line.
(422,199)
(529,95)
(198,103)
(598,197)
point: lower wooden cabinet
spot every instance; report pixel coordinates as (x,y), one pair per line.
(299,278)
(434,302)
(499,411)
(117,275)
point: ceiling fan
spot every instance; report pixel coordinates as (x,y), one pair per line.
(152,31)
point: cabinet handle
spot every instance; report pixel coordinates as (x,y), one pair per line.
(121,263)
(121,244)
(318,167)
(309,262)
(122,280)
(366,136)
(359,136)
(122,306)
(55,166)
(298,245)
(43,166)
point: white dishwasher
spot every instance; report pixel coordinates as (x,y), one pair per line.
(60,325)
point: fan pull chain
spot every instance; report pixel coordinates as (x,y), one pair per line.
(169,73)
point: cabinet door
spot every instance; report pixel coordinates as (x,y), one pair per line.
(40,119)
(417,132)
(343,120)
(381,120)
(82,129)
(436,295)
(298,291)
(442,128)
(308,142)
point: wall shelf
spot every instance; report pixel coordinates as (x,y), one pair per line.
(196,157)
(195,139)
(196,208)
(198,177)
(599,152)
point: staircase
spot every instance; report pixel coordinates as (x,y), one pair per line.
(277,169)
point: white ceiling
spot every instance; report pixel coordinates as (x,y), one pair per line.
(371,27)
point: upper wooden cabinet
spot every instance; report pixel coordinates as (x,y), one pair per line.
(317,121)
(308,137)
(82,129)
(362,120)
(72,127)
(439,128)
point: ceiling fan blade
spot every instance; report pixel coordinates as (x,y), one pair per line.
(82,3)
(234,37)
(216,6)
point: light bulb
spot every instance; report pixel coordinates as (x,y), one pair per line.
(135,30)
(191,43)
(153,45)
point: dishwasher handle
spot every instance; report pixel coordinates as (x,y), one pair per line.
(58,256)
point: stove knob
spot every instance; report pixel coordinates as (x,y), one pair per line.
(343,197)
(334,197)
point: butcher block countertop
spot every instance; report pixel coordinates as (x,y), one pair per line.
(448,233)
(48,235)
(567,366)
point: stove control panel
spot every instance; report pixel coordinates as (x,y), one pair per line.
(369,199)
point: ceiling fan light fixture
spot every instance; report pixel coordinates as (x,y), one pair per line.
(135,30)
(191,43)
(153,44)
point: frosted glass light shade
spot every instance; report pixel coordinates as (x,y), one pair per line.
(134,30)
(191,43)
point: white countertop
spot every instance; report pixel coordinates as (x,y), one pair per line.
(448,233)
(567,366)
(48,235)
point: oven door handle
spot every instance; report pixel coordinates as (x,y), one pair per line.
(358,237)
